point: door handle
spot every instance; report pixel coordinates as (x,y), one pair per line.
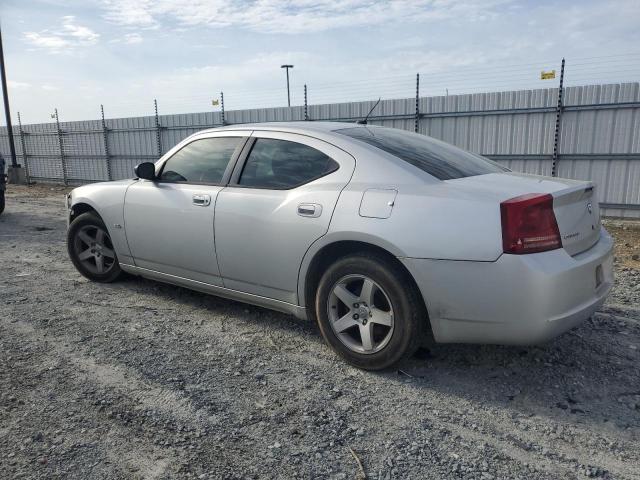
(201,200)
(309,210)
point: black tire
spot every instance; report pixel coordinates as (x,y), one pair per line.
(1,201)
(87,222)
(409,314)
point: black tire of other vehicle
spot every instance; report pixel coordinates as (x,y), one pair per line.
(1,201)
(409,316)
(90,219)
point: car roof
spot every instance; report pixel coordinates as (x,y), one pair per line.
(301,126)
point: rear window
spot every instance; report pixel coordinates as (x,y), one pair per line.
(437,158)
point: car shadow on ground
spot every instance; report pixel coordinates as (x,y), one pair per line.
(583,376)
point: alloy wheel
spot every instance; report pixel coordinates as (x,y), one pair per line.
(93,248)
(360,314)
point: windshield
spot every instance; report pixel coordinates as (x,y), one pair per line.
(437,158)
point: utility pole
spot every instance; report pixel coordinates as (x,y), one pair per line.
(15,176)
(287,67)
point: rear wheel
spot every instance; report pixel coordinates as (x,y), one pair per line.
(369,311)
(91,250)
(1,200)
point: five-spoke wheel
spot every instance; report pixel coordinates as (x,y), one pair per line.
(369,310)
(361,314)
(91,250)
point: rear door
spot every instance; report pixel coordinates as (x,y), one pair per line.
(280,200)
(169,222)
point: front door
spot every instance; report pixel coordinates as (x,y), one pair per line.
(169,222)
(279,204)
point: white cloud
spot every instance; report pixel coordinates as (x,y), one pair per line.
(294,16)
(132,38)
(42,40)
(130,13)
(129,39)
(82,35)
(18,85)
(65,38)
(49,88)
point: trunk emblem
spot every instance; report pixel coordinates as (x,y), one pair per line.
(590,207)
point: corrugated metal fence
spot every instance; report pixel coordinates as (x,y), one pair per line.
(599,135)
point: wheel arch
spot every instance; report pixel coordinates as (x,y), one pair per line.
(324,255)
(79,208)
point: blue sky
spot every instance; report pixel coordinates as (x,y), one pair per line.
(75,55)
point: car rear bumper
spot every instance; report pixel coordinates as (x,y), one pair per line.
(518,299)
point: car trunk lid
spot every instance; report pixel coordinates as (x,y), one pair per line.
(574,202)
(578,216)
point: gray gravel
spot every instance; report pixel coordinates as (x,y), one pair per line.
(143,380)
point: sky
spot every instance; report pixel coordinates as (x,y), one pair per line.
(76,55)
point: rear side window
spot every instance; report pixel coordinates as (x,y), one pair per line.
(201,161)
(281,165)
(437,158)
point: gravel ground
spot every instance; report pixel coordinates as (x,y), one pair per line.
(143,380)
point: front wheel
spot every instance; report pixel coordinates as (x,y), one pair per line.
(91,250)
(1,200)
(369,311)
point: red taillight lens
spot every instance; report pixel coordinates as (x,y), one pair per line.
(529,224)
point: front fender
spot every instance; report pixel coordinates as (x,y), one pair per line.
(107,199)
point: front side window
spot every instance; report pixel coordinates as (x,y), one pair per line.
(437,158)
(201,161)
(280,165)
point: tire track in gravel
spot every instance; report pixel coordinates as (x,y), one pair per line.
(127,382)
(503,434)
(131,385)
(123,379)
(507,438)
(208,332)
(130,454)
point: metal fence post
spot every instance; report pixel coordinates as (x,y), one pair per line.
(556,138)
(105,138)
(306,110)
(23,145)
(224,122)
(63,161)
(158,139)
(416,126)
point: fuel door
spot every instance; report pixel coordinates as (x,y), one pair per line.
(377,202)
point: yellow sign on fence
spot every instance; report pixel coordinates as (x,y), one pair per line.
(547,75)
(215,102)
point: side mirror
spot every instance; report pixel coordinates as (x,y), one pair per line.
(146,171)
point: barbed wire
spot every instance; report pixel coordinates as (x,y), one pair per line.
(584,70)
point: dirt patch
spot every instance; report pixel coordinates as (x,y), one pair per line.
(627,235)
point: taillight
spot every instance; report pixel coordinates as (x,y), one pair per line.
(529,224)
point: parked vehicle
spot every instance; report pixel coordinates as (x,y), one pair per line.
(380,235)
(3,182)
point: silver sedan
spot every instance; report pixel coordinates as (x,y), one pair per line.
(384,237)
